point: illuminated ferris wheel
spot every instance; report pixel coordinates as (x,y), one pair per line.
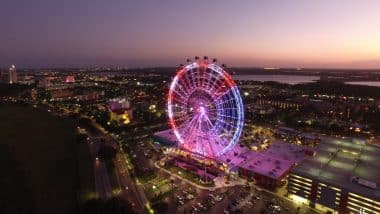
(205,109)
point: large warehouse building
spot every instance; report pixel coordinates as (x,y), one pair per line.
(267,168)
(343,177)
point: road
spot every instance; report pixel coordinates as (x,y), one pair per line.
(129,189)
(102,182)
(134,192)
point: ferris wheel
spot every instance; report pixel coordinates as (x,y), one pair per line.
(205,109)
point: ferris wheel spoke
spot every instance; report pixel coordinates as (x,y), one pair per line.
(192,122)
(219,104)
(221,126)
(225,124)
(214,86)
(203,78)
(198,78)
(228,116)
(226,97)
(222,85)
(179,111)
(179,91)
(218,81)
(221,141)
(202,72)
(223,134)
(192,78)
(189,84)
(212,80)
(186,83)
(222,92)
(192,85)
(178,100)
(180,117)
(186,80)
(221,109)
(180,108)
(190,130)
(210,145)
(227,94)
(177,94)
(183,90)
(209,80)
(209,123)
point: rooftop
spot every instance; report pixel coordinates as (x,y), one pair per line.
(273,162)
(166,136)
(337,161)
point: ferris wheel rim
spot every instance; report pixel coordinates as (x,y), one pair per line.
(232,91)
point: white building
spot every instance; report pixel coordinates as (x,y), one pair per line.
(12,75)
(120,110)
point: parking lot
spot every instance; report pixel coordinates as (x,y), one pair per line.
(230,200)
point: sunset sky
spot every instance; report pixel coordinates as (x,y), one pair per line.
(281,33)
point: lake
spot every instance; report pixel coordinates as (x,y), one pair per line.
(294,79)
(288,79)
(367,83)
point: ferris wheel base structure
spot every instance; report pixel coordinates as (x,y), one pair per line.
(264,168)
(168,139)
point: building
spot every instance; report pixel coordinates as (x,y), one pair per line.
(26,79)
(88,95)
(266,168)
(61,95)
(295,136)
(343,177)
(286,133)
(4,76)
(120,111)
(78,95)
(12,75)
(260,109)
(45,82)
(165,138)
(70,79)
(279,104)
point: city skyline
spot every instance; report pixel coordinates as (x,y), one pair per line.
(161,107)
(327,34)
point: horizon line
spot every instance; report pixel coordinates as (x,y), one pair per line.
(267,68)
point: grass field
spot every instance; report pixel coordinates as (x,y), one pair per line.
(43,169)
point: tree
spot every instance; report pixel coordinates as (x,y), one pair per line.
(81,138)
(113,205)
(93,206)
(117,205)
(160,207)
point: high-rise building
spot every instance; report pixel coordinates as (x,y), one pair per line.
(1,76)
(12,75)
